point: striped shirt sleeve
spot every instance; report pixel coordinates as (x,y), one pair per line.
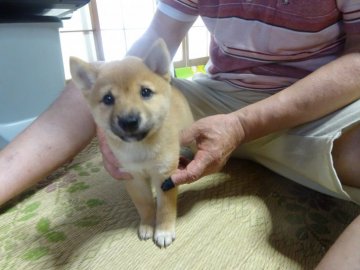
(351,15)
(180,10)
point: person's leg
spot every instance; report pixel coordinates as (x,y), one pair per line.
(344,254)
(346,156)
(52,139)
(318,146)
(329,148)
(208,97)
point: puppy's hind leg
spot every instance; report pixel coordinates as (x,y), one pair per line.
(142,196)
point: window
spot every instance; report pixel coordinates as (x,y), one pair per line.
(77,38)
(106,29)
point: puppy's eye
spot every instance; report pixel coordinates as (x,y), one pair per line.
(108,99)
(146,92)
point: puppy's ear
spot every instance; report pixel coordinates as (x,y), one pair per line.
(83,74)
(158,58)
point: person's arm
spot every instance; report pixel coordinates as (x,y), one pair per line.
(162,26)
(51,140)
(327,89)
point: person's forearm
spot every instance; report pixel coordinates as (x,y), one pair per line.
(57,135)
(162,26)
(324,91)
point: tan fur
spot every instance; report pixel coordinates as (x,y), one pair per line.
(154,158)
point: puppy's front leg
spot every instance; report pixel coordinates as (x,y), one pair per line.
(141,194)
(165,216)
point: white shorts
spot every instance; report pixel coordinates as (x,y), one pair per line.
(302,154)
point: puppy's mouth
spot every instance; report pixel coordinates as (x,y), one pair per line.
(134,136)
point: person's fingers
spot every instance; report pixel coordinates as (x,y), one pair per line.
(183,162)
(111,164)
(188,136)
(100,134)
(181,176)
(117,172)
(105,149)
(193,171)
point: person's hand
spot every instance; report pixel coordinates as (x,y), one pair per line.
(216,137)
(111,164)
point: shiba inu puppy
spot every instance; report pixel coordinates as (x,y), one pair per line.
(133,101)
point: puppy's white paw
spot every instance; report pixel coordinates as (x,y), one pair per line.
(145,231)
(164,238)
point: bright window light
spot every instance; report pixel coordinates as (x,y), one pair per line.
(113,27)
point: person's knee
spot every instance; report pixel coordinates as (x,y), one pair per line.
(346,156)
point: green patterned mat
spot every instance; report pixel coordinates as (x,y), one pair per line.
(245,217)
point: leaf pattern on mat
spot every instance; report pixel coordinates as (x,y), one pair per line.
(28,211)
(88,221)
(76,187)
(74,172)
(86,169)
(310,212)
(43,227)
(35,253)
(54,234)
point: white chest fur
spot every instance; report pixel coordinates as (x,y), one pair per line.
(139,157)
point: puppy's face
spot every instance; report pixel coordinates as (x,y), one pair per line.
(130,97)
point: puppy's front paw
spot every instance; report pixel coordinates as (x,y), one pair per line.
(145,231)
(164,238)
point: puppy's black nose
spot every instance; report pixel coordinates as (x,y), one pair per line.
(129,123)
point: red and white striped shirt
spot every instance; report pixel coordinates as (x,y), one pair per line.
(267,45)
